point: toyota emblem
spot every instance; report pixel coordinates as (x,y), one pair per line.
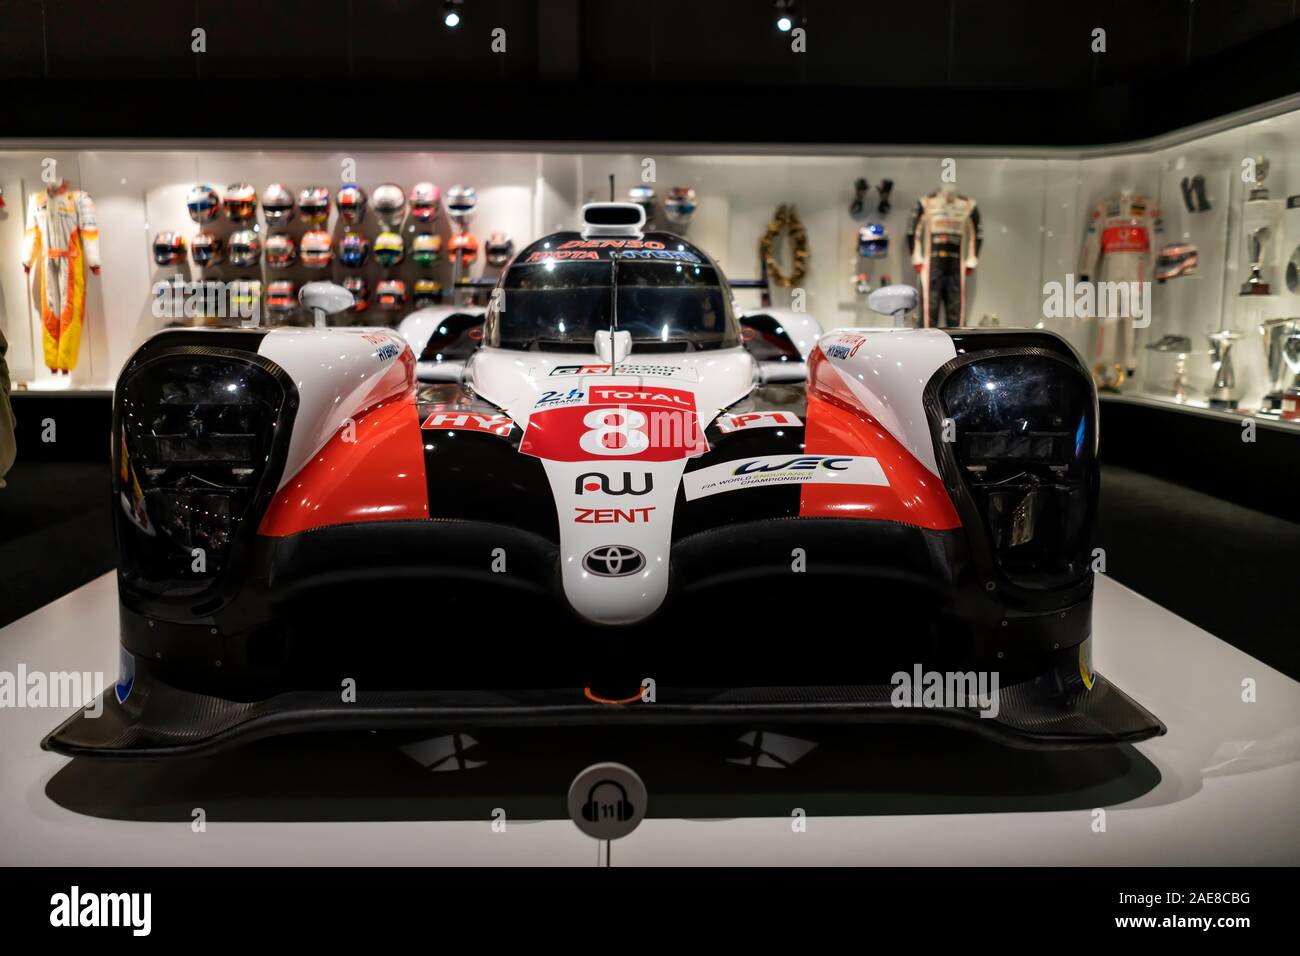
(613,561)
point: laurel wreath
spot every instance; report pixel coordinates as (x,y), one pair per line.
(786,220)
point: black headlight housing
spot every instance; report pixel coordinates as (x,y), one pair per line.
(1015,433)
(199,442)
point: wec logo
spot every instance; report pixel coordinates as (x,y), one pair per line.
(802,463)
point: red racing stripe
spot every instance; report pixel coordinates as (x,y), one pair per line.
(377,477)
(914,496)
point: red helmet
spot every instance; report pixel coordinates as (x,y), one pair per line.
(168,248)
(281,296)
(390,295)
(279,251)
(241,202)
(464,247)
(426,201)
(360,290)
(317,249)
(314,205)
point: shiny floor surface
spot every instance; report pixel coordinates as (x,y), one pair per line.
(1222,788)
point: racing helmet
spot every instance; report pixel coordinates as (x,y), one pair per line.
(464,248)
(390,295)
(317,249)
(246,296)
(168,248)
(277,205)
(354,250)
(388,248)
(679,207)
(245,248)
(461,203)
(206,249)
(314,205)
(427,292)
(644,196)
(1175,259)
(498,249)
(426,249)
(203,203)
(351,200)
(390,204)
(241,202)
(873,241)
(426,202)
(360,290)
(281,296)
(280,251)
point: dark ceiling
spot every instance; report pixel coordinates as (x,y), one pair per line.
(919,71)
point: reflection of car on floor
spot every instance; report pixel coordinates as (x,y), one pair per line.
(626,504)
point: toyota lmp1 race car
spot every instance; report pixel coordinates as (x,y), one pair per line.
(628,505)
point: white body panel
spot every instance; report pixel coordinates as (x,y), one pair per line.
(516,381)
(887,370)
(340,373)
(803,329)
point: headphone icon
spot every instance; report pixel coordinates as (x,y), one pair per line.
(623,809)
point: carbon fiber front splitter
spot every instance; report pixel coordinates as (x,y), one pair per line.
(158,720)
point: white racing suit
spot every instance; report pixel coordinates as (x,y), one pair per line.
(1118,248)
(945,240)
(61,239)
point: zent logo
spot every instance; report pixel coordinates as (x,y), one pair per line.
(612,515)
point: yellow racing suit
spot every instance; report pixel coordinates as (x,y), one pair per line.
(62,239)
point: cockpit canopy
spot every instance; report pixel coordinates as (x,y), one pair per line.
(561,290)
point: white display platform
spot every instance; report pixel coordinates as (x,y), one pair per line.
(1222,788)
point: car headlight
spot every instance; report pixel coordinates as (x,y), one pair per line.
(195,462)
(1021,457)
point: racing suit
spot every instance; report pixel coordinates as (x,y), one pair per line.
(945,241)
(1119,235)
(62,238)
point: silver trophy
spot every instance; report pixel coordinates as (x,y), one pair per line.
(1259,190)
(1256,241)
(1281,338)
(1179,346)
(1223,393)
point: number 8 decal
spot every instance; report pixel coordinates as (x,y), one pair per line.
(614,431)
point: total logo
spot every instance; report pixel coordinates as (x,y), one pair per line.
(612,515)
(668,397)
(595,482)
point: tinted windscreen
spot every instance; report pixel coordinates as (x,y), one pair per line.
(678,305)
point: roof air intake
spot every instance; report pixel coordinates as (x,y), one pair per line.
(612,219)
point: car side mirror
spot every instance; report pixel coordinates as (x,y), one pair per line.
(893,300)
(325,298)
